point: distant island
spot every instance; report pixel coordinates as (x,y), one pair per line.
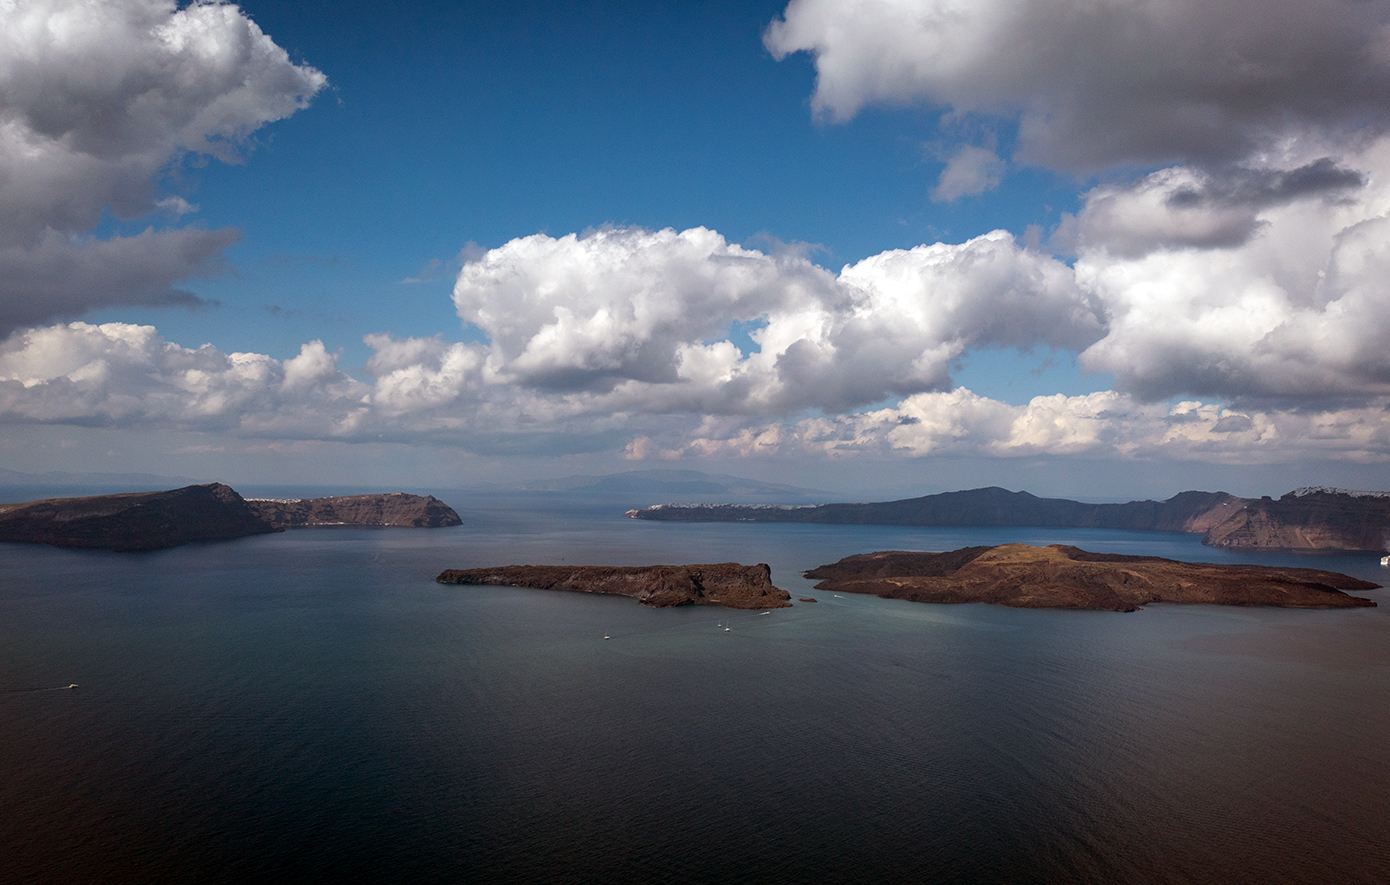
(393,509)
(210,512)
(727,583)
(1305,519)
(1060,576)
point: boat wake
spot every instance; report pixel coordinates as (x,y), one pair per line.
(37,690)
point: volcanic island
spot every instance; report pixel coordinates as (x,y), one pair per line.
(1061,576)
(137,521)
(726,583)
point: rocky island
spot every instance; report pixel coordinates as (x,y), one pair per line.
(727,583)
(211,512)
(1305,519)
(1060,576)
(394,509)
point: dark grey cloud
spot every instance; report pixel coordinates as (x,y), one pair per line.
(1099,85)
(97,101)
(60,278)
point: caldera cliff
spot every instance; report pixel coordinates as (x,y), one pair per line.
(1059,576)
(395,509)
(727,583)
(134,521)
(212,512)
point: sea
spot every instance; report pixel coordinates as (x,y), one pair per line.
(312,704)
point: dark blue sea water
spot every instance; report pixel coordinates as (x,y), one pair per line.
(313,704)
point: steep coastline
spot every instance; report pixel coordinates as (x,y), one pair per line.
(728,584)
(394,509)
(1060,576)
(211,512)
(134,521)
(1305,519)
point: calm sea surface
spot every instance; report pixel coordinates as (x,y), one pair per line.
(313,704)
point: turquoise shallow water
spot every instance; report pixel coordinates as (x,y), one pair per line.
(312,703)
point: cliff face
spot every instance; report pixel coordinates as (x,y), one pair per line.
(1321,519)
(728,583)
(1059,576)
(136,521)
(396,509)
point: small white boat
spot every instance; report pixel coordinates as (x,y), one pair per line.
(605,636)
(1385,560)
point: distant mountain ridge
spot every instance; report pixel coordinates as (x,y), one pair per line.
(661,482)
(65,478)
(1307,519)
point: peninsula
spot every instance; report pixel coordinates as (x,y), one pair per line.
(1060,576)
(727,583)
(211,512)
(1304,519)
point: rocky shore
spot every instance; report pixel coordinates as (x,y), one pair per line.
(727,583)
(1059,576)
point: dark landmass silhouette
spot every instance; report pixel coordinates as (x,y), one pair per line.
(1304,519)
(211,512)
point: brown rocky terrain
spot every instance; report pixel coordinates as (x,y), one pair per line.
(1060,576)
(727,583)
(134,521)
(1307,519)
(395,509)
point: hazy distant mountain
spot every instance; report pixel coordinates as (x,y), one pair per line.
(150,481)
(665,483)
(1312,518)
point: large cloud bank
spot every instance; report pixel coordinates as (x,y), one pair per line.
(97,100)
(1237,289)
(622,339)
(1117,82)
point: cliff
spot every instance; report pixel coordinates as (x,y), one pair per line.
(134,521)
(212,512)
(1305,519)
(1059,576)
(727,583)
(396,509)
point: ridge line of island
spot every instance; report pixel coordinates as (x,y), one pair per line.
(1306,519)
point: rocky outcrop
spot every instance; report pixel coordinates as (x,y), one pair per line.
(396,509)
(1305,519)
(134,521)
(727,583)
(1059,576)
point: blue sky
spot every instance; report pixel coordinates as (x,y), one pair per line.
(1185,288)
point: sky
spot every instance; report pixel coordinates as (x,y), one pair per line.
(1086,247)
